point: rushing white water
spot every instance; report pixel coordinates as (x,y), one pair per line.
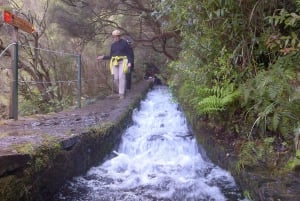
(158,160)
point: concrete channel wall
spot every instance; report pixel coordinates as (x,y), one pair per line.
(36,175)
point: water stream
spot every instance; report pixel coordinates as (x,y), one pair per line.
(158,159)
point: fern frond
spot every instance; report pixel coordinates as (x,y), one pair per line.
(295,96)
(216,99)
(203,92)
(275,121)
(210,104)
(298,5)
(217,91)
(231,97)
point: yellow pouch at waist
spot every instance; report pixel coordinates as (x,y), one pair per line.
(114,61)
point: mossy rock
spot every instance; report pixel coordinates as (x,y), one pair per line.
(12,188)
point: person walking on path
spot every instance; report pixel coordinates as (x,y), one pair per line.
(131,69)
(120,61)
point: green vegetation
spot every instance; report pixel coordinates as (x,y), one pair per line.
(9,194)
(102,129)
(44,157)
(27,148)
(239,68)
(294,162)
(255,152)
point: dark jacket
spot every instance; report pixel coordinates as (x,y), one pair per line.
(120,48)
(132,56)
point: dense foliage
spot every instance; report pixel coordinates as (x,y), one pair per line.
(239,67)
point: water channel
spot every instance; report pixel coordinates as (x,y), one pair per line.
(158,159)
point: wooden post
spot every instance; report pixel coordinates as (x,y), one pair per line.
(79,80)
(13,105)
(36,51)
(18,23)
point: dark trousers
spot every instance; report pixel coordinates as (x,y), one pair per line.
(128,80)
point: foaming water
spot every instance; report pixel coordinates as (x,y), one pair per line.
(158,159)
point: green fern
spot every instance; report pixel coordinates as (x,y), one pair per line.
(298,5)
(210,104)
(275,121)
(256,153)
(218,99)
(272,100)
